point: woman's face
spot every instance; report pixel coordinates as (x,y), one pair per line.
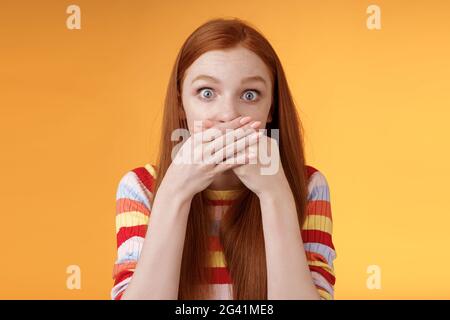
(222,85)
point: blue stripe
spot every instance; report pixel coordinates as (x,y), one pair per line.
(131,188)
(319,193)
(214,228)
(328,253)
(133,256)
(324,283)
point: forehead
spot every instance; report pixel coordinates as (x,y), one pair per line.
(227,65)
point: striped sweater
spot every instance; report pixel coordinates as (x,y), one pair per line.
(133,207)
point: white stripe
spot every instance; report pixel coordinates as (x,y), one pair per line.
(222,291)
(130,187)
(318,187)
(118,288)
(322,282)
(130,249)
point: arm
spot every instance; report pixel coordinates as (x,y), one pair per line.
(310,255)
(149,250)
(317,234)
(288,274)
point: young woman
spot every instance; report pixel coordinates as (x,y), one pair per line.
(220,228)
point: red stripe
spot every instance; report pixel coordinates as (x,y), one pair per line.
(127,205)
(317,236)
(121,266)
(319,207)
(309,170)
(126,233)
(214,244)
(145,177)
(219,275)
(328,276)
(319,287)
(314,256)
(219,202)
(122,276)
(119,296)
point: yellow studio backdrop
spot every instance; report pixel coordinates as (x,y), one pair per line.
(80,107)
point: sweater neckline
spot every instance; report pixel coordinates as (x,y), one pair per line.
(222,194)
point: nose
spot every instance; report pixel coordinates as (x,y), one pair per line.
(227,111)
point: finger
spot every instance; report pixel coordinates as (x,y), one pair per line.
(238,160)
(231,136)
(235,147)
(220,129)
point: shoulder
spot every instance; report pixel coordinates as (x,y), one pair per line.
(138,184)
(318,224)
(318,188)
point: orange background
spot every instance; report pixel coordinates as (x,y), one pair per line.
(79,108)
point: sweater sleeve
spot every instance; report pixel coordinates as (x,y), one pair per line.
(133,206)
(317,236)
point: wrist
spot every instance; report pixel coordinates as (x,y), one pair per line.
(174,189)
(176,194)
(275,191)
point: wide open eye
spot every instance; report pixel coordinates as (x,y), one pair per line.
(251,95)
(205,93)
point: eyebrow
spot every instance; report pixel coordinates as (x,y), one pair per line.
(245,80)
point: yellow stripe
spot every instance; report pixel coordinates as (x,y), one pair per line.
(150,169)
(324,294)
(317,222)
(130,219)
(216,259)
(222,194)
(322,265)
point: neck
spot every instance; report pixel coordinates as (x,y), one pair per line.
(226,181)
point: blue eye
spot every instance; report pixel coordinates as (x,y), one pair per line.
(252,94)
(207,90)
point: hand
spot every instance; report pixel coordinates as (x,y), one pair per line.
(263,179)
(210,150)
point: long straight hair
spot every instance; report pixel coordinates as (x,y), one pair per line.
(241,231)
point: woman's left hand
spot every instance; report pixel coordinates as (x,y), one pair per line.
(264,173)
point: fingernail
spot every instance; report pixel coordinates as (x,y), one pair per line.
(255,124)
(244,120)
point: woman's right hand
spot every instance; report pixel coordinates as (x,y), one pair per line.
(210,150)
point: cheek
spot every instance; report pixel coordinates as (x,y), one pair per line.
(193,118)
(190,109)
(193,104)
(259,112)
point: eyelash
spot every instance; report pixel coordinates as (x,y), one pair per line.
(255,90)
